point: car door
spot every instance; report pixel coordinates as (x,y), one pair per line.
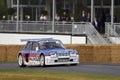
(26,51)
(34,51)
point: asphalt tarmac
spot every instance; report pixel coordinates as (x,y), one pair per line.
(102,69)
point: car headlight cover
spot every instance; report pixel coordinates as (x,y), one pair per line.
(53,54)
(72,53)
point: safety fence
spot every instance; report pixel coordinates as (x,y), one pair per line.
(113,33)
(36,27)
(63,27)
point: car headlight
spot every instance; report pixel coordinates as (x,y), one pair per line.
(53,54)
(72,53)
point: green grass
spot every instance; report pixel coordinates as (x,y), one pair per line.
(44,75)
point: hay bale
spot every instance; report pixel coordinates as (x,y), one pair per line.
(3,54)
(74,47)
(12,52)
(86,58)
(102,58)
(115,58)
(102,54)
(86,49)
(86,53)
(115,54)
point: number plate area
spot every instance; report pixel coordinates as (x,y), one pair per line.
(63,60)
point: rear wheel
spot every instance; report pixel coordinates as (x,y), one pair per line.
(42,60)
(20,61)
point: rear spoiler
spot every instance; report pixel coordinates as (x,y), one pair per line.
(42,39)
(23,40)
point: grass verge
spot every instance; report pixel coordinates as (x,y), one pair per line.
(44,75)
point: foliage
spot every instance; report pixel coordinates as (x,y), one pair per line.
(11,11)
(117,13)
(5,10)
(44,12)
(78,10)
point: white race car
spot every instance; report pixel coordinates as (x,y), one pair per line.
(46,51)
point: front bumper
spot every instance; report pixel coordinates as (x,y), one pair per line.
(60,61)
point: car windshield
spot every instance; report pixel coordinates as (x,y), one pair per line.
(51,45)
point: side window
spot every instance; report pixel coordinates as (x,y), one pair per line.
(34,45)
(42,45)
(28,46)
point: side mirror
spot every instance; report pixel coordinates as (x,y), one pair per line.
(37,48)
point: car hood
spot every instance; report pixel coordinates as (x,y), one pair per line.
(57,50)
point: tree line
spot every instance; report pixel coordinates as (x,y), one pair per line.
(4,10)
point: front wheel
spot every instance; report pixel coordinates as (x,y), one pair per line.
(20,61)
(42,60)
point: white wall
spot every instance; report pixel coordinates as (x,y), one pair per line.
(12,38)
(78,40)
(115,40)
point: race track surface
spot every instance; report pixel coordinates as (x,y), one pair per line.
(104,69)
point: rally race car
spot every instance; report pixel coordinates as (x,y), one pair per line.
(46,51)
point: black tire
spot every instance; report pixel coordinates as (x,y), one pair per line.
(20,61)
(42,60)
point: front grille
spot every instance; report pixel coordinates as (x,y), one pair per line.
(63,54)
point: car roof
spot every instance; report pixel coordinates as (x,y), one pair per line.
(38,40)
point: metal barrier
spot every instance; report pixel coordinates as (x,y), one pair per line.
(7,26)
(112,31)
(36,27)
(63,27)
(117,27)
(59,27)
(93,35)
(42,27)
